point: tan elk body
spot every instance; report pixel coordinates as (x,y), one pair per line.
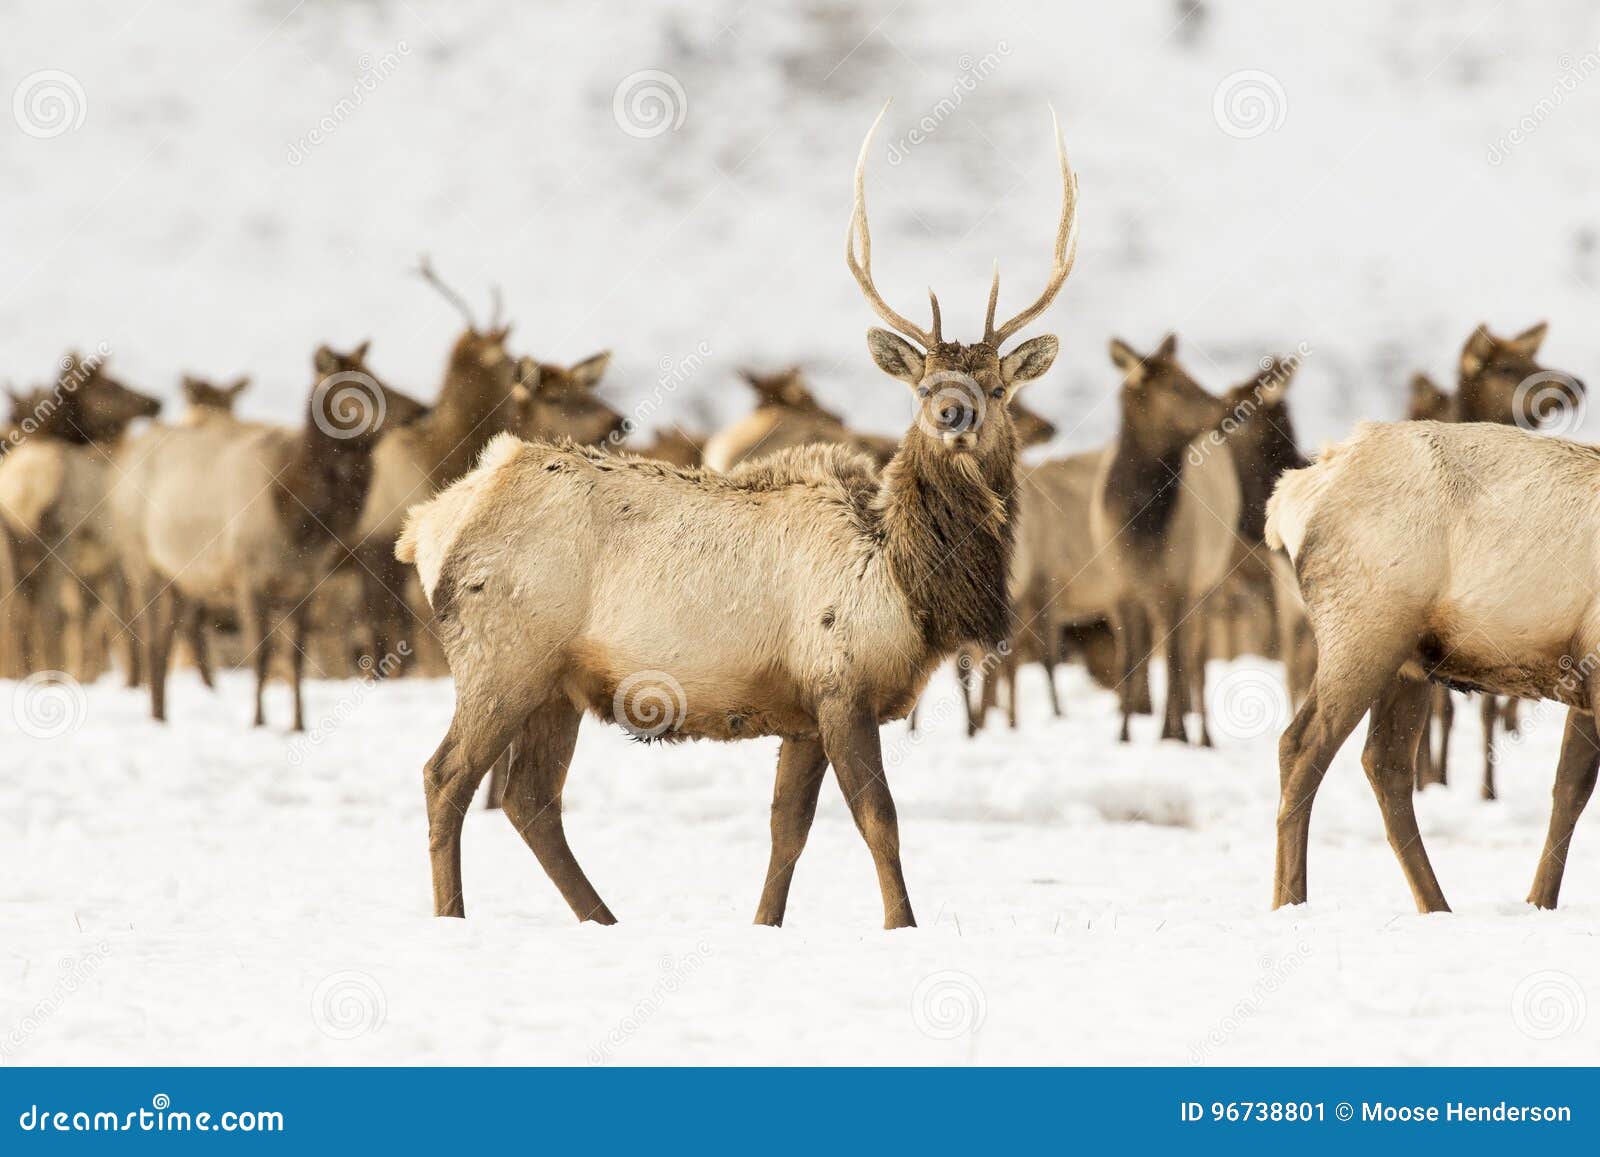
(806,596)
(1167,521)
(248,515)
(1462,553)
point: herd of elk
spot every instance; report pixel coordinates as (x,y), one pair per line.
(794,577)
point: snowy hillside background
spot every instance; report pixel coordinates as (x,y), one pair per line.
(189,223)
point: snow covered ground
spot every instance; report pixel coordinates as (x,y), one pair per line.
(206,893)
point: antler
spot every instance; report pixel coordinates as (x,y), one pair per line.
(1066,252)
(863,270)
(425,270)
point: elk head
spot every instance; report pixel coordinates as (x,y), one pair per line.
(350,406)
(1502,381)
(203,394)
(1429,402)
(963,391)
(787,390)
(1163,408)
(100,406)
(559,401)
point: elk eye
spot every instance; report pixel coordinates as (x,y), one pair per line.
(998,392)
(923,391)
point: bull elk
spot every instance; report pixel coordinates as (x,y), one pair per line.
(807,596)
(1454,553)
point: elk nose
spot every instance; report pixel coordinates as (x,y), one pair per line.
(951,416)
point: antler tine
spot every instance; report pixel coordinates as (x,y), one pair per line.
(497,303)
(1066,251)
(863,270)
(425,270)
(933,300)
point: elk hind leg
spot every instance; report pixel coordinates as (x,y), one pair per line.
(1349,679)
(538,764)
(1575,780)
(1490,709)
(1399,721)
(802,764)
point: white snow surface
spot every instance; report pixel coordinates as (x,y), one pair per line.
(206,893)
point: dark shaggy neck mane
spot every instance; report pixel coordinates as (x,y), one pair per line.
(1142,488)
(947,524)
(322,486)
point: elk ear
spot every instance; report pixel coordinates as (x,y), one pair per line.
(1477,352)
(1167,350)
(238,387)
(588,372)
(1273,385)
(1029,360)
(359,354)
(1528,341)
(325,361)
(1126,359)
(896,356)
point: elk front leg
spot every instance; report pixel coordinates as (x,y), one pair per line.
(1199,641)
(1490,711)
(161,620)
(1126,632)
(850,738)
(200,647)
(297,660)
(1399,721)
(257,627)
(1575,779)
(801,765)
(1168,625)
